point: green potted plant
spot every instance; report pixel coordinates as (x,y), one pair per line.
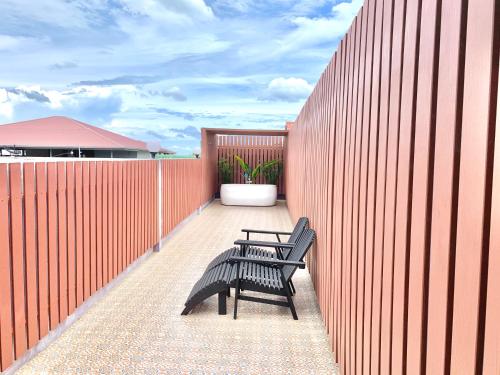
(272,171)
(250,194)
(225,171)
(250,174)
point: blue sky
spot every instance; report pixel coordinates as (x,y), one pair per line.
(159,70)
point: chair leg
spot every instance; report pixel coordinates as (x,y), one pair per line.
(292,306)
(222,303)
(228,293)
(292,288)
(289,297)
(236,291)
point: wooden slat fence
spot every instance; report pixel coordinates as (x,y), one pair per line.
(181,191)
(395,159)
(68,228)
(254,149)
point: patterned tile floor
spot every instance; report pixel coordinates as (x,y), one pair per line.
(137,328)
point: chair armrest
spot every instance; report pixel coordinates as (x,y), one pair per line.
(268,262)
(266,231)
(283,245)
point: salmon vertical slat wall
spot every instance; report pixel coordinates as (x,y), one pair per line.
(68,228)
(254,150)
(181,191)
(394,158)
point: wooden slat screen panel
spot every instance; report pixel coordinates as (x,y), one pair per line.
(68,228)
(209,165)
(394,158)
(181,193)
(254,150)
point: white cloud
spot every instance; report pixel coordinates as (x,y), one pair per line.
(170,10)
(347,10)
(308,6)
(315,31)
(290,7)
(287,89)
(51,12)
(6,106)
(173,92)
(304,36)
(198,8)
(236,5)
(10,43)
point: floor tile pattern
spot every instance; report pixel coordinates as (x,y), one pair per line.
(137,328)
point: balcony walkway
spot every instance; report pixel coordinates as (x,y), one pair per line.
(137,328)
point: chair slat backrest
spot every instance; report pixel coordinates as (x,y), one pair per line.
(302,224)
(300,227)
(298,252)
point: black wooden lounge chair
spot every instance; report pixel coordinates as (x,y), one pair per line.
(264,275)
(256,251)
(269,276)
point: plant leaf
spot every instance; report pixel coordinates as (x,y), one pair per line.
(270,164)
(243,165)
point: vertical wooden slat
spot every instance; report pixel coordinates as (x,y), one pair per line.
(380,239)
(136,215)
(111,235)
(53,256)
(133,213)
(105,223)
(342,201)
(17,254)
(6,319)
(86,230)
(70,188)
(442,242)
(368,19)
(115,219)
(92,226)
(404,178)
(422,188)
(125,215)
(357,110)
(79,222)
(391,183)
(119,217)
(337,205)
(63,240)
(142,178)
(374,204)
(146,225)
(347,227)
(475,184)
(491,363)
(99,225)
(130,211)
(43,271)
(31,253)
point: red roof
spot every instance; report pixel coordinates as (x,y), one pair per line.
(64,132)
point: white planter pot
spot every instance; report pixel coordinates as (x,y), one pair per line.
(248,195)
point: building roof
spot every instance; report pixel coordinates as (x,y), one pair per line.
(64,133)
